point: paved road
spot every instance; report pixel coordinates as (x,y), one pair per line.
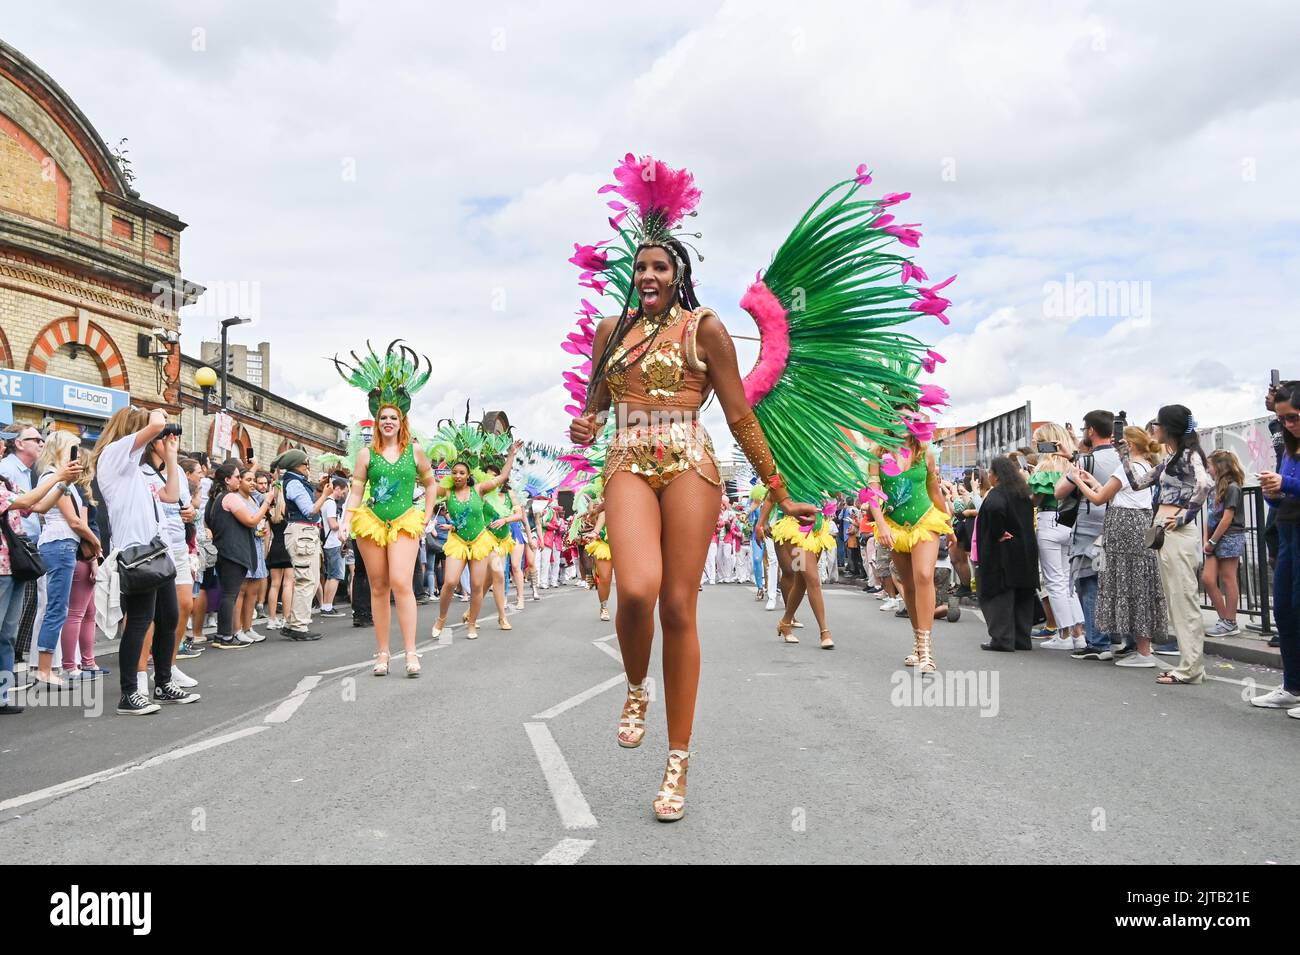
(504,752)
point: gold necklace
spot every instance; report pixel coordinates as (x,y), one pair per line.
(657,323)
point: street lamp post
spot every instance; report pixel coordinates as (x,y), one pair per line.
(205,378)
(226,324)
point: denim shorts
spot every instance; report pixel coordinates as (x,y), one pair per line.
(334,563)
(1232,544)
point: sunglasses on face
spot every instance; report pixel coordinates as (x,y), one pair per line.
(1291,418)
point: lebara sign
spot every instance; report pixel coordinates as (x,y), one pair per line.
(57,394)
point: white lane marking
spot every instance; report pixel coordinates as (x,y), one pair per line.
(202,745)
(579,698)
(572,806)
(612,651)
(610,636)
(567,852)
(85,782)
(295,699)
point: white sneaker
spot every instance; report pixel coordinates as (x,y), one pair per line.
(1278,699)
(771,604)
(1294,713)
(1059,642)
(244,639)
(1136,660)
(889,604)
(1080,643)
(181,680)
(254,635)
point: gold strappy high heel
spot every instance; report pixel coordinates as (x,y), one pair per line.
(503,624)
(631,725)
(786,632)
(671,802)
(381,663)
(925,653)
(604,612)
(827,642)
(911,659)
(438,626)
(412,664)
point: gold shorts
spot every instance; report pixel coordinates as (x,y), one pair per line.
(660,452)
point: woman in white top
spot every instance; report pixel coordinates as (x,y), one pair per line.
(135,520)
(1130,601)
(66,529)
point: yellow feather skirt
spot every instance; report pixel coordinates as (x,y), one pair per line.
(505,546)
(932,525)
(599,549)
(366,524)
(788,530)
(480,547)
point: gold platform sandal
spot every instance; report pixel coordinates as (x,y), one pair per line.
(925,653)
(412,664)
(631,724)
(604,612)
(381,663)
(503,624)
(912,658)
(439,625)
(786,632)
(670,805)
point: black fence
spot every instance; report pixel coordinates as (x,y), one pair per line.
(1254,580)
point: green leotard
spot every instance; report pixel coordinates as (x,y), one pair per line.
(392,485)
(908,493)
(494,508)
(466,516)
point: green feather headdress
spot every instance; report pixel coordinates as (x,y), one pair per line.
(390,379)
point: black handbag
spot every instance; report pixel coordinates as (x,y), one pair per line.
(1067,510)
(145,567)
(24,559)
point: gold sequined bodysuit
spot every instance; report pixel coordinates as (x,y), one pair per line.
(660,371)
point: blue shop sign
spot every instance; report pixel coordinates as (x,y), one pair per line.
(57,394)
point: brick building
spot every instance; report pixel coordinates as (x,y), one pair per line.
(264,423)
(90,274)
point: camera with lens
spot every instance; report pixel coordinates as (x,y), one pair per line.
(171,429)
(1117,429)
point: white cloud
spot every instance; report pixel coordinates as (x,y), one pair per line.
(1098,139)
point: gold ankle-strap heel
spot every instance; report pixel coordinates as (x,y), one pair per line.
(914,657)
(827,642)
(504,624)
(670,804)
(412,664)
(631,724)
(925,653)
(604,612)
(439,625)
(786,632)
(381,663)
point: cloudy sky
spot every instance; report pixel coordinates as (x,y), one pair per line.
(1113,183)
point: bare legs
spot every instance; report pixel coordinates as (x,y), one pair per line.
(1220,579)
(390,570)
(604,578)
(497,575)
(916,578)
(517,574)
(801,568)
